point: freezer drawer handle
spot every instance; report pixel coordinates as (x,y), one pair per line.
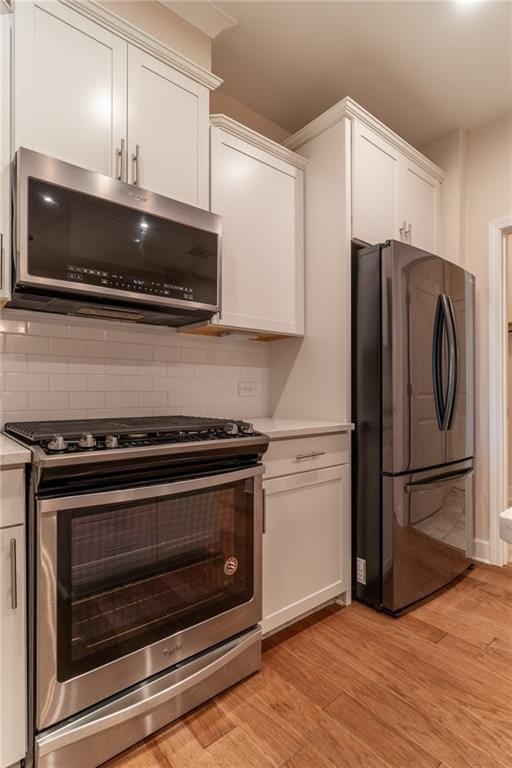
(435,482)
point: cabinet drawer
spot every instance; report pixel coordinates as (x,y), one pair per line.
(300,454)
(12,494)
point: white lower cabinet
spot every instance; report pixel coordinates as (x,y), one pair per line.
(13,649)
(305,543)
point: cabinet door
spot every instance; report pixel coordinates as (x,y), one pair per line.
(12,645)
(419,205)
(168,117)
(260,198)
(5,154)
(376,172)
(306,519)
(70,86)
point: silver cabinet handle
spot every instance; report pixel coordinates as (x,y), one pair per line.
(264,504)
(121,161)
(409,233)
(136,160)
(403,232)
(309,455)
(14,574)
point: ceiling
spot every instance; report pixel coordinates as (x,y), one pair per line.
(423,68)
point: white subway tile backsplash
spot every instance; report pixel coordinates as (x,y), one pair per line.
(167,354)
(153,399)
(26,382)
(13,401)
(87,400)
(74,347)
(122,399)
(137,383)
(137,352)
(13,363)
(106,349)
(194,355)
(26,344)
(47,364)
(104,383)
(55,367)
(66,382)
(86,365)
(54,400)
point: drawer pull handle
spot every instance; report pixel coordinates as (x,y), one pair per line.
(14,575)
(310,455)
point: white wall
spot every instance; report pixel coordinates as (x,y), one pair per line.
(54,367)
(221,103)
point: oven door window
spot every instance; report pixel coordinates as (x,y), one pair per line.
(132,574)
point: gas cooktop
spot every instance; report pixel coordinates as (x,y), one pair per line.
(93,435)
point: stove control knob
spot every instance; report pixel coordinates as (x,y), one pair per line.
(247,428)
(231,428)
(57,444)
(87,441)
(111,441)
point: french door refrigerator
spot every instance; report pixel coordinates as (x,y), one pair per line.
(413,409)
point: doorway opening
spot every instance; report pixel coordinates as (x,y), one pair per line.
(499,404)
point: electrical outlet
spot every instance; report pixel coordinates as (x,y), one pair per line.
(246,389)
(361,570)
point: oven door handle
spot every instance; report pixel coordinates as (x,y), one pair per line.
(148,492)
(139,704)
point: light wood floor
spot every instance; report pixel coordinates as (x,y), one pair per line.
(350,687)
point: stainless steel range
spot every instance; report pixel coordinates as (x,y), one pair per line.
(145,576)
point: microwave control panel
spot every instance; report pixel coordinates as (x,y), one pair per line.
(128,283)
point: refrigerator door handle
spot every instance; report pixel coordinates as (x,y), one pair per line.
(453,362)
(437,376)
(435,482)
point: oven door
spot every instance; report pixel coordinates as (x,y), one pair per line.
(132,582)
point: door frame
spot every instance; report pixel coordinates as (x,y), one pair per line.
(498,356)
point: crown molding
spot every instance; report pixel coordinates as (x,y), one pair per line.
(110,20)
(205,16)
(349,108)
(257,140)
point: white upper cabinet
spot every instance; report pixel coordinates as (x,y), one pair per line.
(393,196)
(70,86)
(86,95)
(168,119)
(419,205)
(257,187)
(5,154)
(376,172)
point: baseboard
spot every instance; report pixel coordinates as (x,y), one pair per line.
(482,551)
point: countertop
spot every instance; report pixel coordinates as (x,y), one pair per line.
(12,453)
(278,429)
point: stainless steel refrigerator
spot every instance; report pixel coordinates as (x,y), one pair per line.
(413,409)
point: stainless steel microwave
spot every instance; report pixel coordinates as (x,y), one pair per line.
(87,244)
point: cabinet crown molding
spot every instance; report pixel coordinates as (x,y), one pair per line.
(349,108)
(111,21)
(258,140)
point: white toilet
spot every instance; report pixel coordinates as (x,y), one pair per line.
(506,525)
